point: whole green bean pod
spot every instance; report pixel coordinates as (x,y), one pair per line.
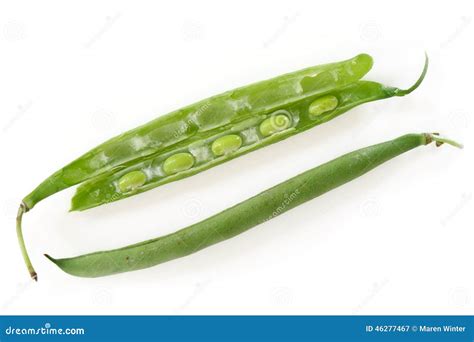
(246,214)
(210,132)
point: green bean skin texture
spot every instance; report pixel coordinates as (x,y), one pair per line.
(102,189)
(200,118)
(243,216)
(193,130)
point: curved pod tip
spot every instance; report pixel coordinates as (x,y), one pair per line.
(50,257)
(53,260)
(403,92)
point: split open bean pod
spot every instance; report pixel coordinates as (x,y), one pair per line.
(210,132)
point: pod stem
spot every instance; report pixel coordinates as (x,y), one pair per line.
(403,92)
(23,209)
(430,137)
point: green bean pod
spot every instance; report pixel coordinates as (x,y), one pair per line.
(259,114)
(254,133)
(245,215)
(199,118)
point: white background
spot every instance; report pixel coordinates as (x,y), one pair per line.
(396,241)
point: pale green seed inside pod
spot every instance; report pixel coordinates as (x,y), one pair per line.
(274,124)
(322,105)
(132,181)
(226,144)
(178,162)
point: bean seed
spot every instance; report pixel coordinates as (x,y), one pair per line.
(226,144)
(274,124)
(132,181)
(322,105)
(178,162)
